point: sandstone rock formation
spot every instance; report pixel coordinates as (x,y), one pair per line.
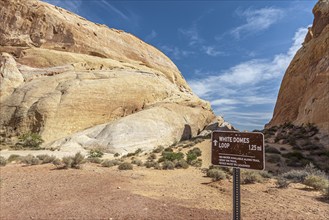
(80,84)
(304,92)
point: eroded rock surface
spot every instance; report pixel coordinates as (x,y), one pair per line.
(304,92)
(80,84)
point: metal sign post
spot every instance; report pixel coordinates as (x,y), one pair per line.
(243,150)
(236,194)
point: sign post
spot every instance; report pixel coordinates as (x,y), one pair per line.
(238,150)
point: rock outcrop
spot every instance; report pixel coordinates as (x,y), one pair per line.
(82,84)
(304,94)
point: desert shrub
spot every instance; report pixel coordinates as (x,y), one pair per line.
(95,153)
(326,193)
(191,156)
(249,177)
(273,150)
(138,151)
(116,155)
(30,140)
(216,174)
(168,149)
(296,176)
(273,158)
(168,165)
(46,158)
(30,160)
(282,182)
(73,162)
(197,151)
(157,166)
(13,157)
(110,163)
(152,156)
(3,161)
(159,149)
(316,182)
(181,164)
(149,164)
(125,166)
(283,148)
(57,162)
(171,156)
(196,163)
(96,160)
(137,162)
(67,161)
(265,174)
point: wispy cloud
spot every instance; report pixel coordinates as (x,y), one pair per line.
(69,5)
(192,34)
(211,51)
(151,36)
(115,10)
(175,52)
(256,20)
(248,84)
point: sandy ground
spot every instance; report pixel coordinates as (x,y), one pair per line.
(94,192)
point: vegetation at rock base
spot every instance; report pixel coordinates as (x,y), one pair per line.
(73,161)
(110,163)
(3,161)
(29,140)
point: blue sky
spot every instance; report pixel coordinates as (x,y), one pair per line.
(232,53)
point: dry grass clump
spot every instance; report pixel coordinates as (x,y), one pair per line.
(73,162)
(125,166)
(111,163)
(44,158)
(96,160)
(250,177)
(30,160)
(181,164)
(216,174)
(137,162)
(316,182)
(13,157)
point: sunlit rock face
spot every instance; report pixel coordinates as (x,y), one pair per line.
(304,92)
(80,84)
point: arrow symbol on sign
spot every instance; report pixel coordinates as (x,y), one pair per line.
(215,142)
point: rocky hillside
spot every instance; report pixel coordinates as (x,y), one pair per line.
(304,93)
(82,84)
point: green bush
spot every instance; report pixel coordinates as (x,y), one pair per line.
(216,174)
(249,177)
(95,153)
(3,161)
(13,157)
(191,156)
(110,163)
(46,158)
(181,164)
(168,165)
(316,182)
(116,155)
(197,151)
(171,156)
(125,166)
(30,140)
(159,149)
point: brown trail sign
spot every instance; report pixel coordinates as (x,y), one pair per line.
(238,149)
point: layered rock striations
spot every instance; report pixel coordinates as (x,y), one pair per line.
(304,94)
(82,84)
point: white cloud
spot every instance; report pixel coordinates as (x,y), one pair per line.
(151,36)
(211,51)
(192,34)
(257,20)
(175,52)
(247,85)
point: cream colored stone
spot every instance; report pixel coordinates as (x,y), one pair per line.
(304,93)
